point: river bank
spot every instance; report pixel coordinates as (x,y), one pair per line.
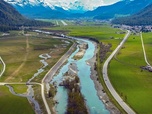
(100,90)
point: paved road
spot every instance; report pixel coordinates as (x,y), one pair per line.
(54,69)
(107,81)
(51,73)
(4,67)
(144,49)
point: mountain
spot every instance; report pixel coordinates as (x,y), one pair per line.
(42,9)
(61,9)
(144,17)
(119,9)
(76,6)
(11,19)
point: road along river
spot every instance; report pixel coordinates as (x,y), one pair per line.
(93,103)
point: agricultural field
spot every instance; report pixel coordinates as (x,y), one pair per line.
(131,82)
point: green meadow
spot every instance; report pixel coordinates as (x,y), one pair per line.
(11,104)
(131,82)
(104,32)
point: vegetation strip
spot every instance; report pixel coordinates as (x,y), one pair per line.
(76,104)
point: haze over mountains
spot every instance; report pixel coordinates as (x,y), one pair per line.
(43,9)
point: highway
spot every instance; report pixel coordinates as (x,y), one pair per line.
(107,81)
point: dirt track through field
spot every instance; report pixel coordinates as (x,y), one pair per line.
(23,63)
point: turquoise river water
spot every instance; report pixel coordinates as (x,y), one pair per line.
(94,104)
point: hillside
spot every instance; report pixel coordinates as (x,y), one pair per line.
(143,17)
(119,9)
(11,19)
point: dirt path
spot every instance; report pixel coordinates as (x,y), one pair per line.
(23,63)
(145,56)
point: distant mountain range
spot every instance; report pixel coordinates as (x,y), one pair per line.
(119,9)
(43,9)
(11,19)
(144,17)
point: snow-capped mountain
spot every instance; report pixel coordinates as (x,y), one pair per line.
(65,4)
(76,8)
(38,9)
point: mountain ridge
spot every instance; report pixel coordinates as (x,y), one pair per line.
(144,17)
(42,10)
(121,8)
(11,19)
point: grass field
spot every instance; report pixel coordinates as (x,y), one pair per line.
(22,56)
(104,33)
(20,88)
(10,104)
(133,84)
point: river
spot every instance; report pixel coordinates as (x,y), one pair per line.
(93,103)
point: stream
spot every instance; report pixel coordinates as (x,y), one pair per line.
(30,92)
(29,96)
(93,103)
